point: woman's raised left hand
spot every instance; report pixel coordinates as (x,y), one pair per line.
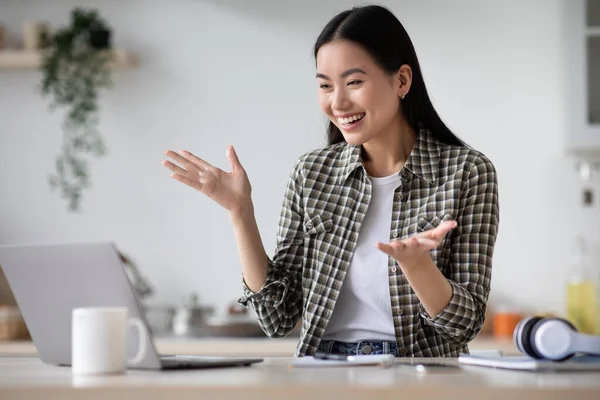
(414,251)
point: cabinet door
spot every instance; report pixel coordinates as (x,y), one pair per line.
(582,51)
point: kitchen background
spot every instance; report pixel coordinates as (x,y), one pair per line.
(217,72)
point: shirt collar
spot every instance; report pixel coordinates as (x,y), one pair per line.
(423,160)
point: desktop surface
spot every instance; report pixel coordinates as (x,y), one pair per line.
(28,378)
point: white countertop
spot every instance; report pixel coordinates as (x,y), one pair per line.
(28,378)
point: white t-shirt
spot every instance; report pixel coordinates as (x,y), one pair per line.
(363,309)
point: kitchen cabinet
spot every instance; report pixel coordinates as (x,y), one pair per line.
(582,74)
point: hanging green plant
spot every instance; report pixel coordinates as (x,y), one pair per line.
(75,69)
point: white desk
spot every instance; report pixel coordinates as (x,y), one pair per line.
(28,378)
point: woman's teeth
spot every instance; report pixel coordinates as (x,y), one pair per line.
(351,119)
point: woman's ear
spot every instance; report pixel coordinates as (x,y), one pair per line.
(403,80)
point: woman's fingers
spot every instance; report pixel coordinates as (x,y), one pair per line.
(428,243)
(386,248)
(191,183)
(440,231)
(196,160)
(414,242)
(175,168)
(392,247)
(446,227)
(189,165)
(417,241)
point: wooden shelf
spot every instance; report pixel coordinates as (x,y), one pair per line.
(21,59)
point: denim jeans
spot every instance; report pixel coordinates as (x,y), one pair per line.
(362,347)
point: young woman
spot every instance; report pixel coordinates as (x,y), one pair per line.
(386,236)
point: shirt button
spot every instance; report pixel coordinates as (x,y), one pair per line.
(400,196)
(309,225)
(400,312)
(273,297)
(367,349)
(402,351)
(395,235)
(394,269)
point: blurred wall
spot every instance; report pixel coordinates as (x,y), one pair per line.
(215,72)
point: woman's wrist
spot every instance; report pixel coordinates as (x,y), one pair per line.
(429,284)
(242,213)
(415,264)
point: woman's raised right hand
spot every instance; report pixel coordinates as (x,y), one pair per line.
(232,190)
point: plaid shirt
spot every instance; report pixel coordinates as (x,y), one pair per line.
(327,196)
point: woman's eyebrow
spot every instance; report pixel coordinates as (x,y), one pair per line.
(344,74)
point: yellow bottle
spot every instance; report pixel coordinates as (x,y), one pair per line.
(582,292)
(582,308)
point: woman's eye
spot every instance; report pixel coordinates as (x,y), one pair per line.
(324,86)
(356,82)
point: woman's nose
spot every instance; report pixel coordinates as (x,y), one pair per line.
(340,100)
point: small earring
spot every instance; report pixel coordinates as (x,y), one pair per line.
(403,94)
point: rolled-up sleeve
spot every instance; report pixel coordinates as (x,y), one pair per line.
(278,304)
(472,248)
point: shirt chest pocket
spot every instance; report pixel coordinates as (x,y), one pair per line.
(441,254)
(428,222)
(318,245)
(315,224)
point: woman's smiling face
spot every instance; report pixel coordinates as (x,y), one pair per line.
(357,95)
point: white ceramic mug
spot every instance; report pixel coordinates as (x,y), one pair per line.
(99,340)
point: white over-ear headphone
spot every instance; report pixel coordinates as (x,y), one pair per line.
(553,339)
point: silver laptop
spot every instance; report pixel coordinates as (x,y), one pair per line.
(50,280)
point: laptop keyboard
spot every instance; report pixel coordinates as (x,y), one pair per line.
(172,363)
(183,362)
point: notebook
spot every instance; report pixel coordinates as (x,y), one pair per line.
(526,363)
(383,360)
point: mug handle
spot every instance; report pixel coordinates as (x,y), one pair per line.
(143,339)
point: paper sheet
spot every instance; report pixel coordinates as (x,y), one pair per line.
(384,360)
(526,363)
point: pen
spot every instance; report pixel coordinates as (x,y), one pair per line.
(327,356)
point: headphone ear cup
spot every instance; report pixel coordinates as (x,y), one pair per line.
(526,338)
(538,325)
(518,334)
(568,323)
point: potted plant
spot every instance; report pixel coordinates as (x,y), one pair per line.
(75,68)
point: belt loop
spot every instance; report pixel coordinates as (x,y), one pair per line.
(330,346)
(386,347)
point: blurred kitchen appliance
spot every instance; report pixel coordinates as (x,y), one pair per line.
(586,169)
(160,318)
(190,318)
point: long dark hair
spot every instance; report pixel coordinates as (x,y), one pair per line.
(379,32)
